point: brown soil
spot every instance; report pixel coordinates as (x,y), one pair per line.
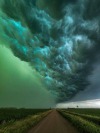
(53,123)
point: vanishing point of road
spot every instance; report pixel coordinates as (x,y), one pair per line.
(53,123)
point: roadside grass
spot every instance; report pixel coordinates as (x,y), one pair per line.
(94,119)
(22,126)
(81,124)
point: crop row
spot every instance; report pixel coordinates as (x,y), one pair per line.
(94,119)
(89,111)
(23,125)
(81,124)
(7,115)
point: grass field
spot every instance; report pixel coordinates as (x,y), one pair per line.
(93,112)
(14,120)
(85,120)
(13,114)
(20,120)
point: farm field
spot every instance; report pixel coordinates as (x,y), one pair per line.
(20,120)
(14,120)
(85,120)
(90,111)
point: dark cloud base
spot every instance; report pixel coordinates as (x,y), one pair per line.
(60,39)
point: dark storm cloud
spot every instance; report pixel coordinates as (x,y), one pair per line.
(54,7)
(93,90)
(60,39)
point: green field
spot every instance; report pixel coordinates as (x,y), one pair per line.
(14,120)
(85,120)
(20,120)
(93,112)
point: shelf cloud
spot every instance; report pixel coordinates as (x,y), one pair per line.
(58,39)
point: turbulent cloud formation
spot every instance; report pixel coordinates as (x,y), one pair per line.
(60,39)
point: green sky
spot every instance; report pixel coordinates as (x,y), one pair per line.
(20,86)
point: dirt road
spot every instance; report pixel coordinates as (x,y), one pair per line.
(53,123)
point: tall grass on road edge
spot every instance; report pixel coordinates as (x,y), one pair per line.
(22,126)
(81,124)
(94,119)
